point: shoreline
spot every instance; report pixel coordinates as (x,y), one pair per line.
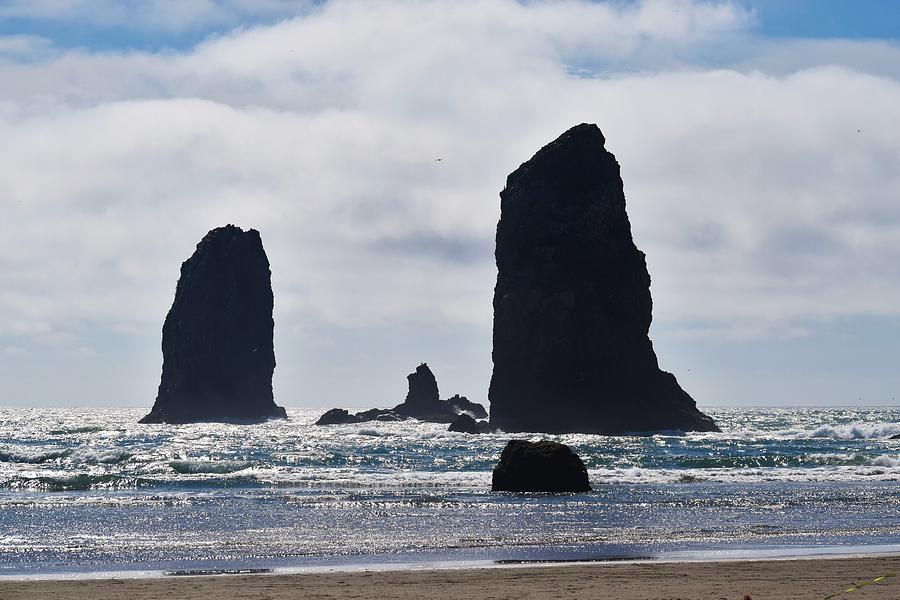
(798,577)
(721,556)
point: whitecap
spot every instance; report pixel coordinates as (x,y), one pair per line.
(196,467)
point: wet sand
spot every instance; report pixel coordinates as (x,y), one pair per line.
(783,579)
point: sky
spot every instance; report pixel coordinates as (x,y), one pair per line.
(759,142)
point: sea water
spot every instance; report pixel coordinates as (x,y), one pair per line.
(90,490)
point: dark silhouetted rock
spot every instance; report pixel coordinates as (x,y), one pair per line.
(539,467)
(466,424)
(422,402)
(337,416)
(423,398)
(379,414)
(341,416)
(461,404)
(572,305)
(895,437)
(218,356)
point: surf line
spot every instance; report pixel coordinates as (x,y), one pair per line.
(856,586)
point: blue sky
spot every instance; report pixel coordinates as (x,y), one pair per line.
(758,140)
(849,19)
(822,19)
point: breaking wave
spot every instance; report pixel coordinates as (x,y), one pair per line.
(76,430)
(196,467)
(67,483)
(69,455)
(846,431)
(856,431)
(33,458)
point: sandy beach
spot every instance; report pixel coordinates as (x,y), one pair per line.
(784,579)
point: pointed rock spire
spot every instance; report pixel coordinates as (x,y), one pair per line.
(572,305)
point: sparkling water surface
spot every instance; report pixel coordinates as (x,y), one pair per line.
(86,490)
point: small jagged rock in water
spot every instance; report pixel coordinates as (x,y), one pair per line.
(337,416)
(379,414)
(217,340)
(466,424)
(341,416)
(461,405)
(423,400)
(543,466)
(422,403)
(572,306)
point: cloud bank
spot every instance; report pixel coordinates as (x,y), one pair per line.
(763,191)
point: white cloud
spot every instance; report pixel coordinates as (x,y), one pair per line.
(758,202)
(24,46)
(16,352)
(785,56)
(83,352)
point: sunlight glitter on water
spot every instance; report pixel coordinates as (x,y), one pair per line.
(83,490)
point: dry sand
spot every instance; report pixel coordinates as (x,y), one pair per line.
(782,579)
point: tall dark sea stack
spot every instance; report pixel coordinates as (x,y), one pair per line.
(218,355)
(572,305)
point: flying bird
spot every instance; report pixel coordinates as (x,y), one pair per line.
(439,160)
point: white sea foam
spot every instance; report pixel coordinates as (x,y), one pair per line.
(881,469)
(886,460)
(194,467)
(856,431)
(99,455)
(33,457)
(846,431)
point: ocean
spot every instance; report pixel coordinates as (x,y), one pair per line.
(91,491)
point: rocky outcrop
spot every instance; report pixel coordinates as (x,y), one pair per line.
(337,416)
(218,356)
(543,466)
(461,405)
(422,403)
(466,424)
(572,304)
(342,416)
(379,414)
(423,400)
